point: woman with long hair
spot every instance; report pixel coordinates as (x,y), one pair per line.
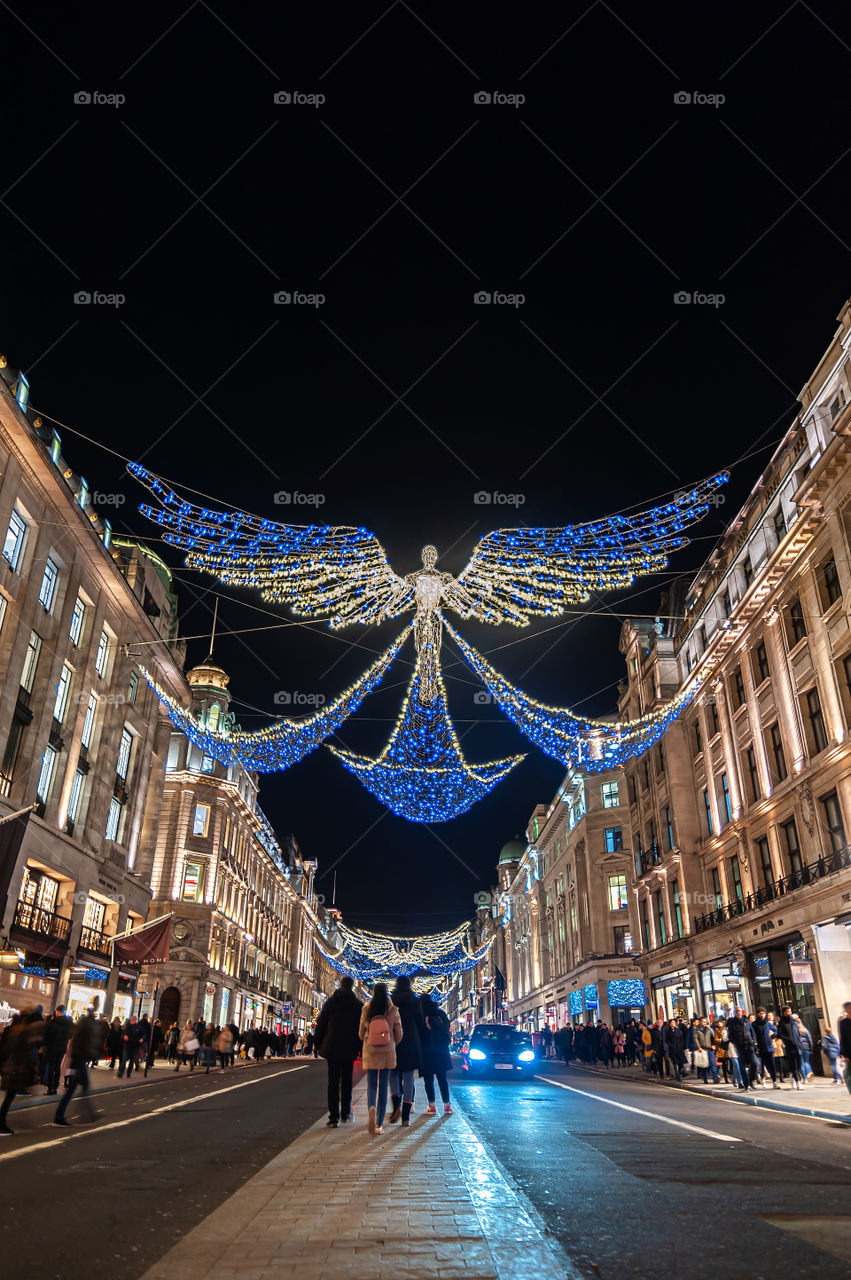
(437,1060)
(409,1058)
(380,1030)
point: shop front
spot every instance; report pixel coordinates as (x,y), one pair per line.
(782,975)
(28,986)
(673,996)
(723,989)
(87,990)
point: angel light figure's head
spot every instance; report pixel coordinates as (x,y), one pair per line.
(429,557)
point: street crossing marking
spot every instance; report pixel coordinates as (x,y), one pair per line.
(653,1115)
(158,1111)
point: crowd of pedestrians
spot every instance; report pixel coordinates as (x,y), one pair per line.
(747,1051)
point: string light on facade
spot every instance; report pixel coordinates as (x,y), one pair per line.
(372,957)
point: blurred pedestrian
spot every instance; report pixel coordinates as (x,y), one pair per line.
(807,1048)
(57,1033)
(187,1046)
(81,1048)
(437,1060)
(155,1045)
(17,1069)
(409,1056)
(830,1047)
(787,1030)
(337,1041)
(380,1031)
(131,1035)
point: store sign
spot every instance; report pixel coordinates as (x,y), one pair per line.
(801,971)
(286,1010)
(685,993)
(210,989)
(733,983)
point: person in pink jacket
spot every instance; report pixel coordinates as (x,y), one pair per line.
(380,1030)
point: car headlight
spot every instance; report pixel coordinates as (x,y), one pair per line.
(526,1056)
(477,1055)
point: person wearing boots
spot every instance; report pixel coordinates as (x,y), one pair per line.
(409,1054)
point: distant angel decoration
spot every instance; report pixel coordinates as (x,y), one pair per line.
(342,574)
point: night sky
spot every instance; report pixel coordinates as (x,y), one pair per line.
(398,198)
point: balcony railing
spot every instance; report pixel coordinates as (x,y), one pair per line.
(37,920)
(645,859)
(826,865)
(94,940)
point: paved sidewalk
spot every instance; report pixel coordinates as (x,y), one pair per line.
(338,1204)
(818,1097)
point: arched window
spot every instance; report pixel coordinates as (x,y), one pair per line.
(213,717)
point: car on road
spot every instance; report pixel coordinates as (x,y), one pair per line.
(496,1048)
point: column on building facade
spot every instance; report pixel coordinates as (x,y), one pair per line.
(705,739)
(784,694)
(728,745)
(821,655)
(757,735)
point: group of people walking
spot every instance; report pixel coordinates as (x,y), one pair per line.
(399,1035)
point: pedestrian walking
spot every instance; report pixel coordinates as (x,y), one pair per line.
(844,1036)
(619,1045)
(409,1058)
(765,1034)
(187,1046)
(787,1030)
(57,1033)
(17,1070)
(83,1042)
(131,1037)
(337,1041)
(224,1047)
(380,1030)
(171,1042)
(673,1047)
(830,1048)
(155,1045)
(114,1040)
(807,1048)
(437,1060)
(741,1049)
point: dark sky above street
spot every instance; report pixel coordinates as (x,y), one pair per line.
(627,153)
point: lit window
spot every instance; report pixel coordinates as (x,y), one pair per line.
(123,763)
(2,611)
(213,717)
(76,794)
(77,621)
(191,881)
(207,764)
(708,812)
(833,819)
(609,792)
(31,662)
(103,650)
(201,821)
(614,839)
(618,893)
(816,721)
(89,722)
(63,689)
(832,586)
(47,590)
(45,777)
(112,819)
(16,536)
(725,791)
(133,690)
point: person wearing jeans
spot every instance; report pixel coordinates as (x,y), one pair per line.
(437,1060)
(83,1041)
(336,1040)
(380,1030)
(409,1055)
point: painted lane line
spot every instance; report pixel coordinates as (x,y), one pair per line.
(158,1111)
(653,1115)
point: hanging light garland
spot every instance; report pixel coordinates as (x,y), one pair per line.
(421,774)
(373,957)
(594,745)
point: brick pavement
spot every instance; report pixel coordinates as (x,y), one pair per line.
(337,1204)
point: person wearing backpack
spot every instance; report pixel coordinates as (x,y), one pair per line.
(380,1030)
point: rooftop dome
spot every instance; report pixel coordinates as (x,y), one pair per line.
(513,851)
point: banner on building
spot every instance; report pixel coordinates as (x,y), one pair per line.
(148,944)
(13,828)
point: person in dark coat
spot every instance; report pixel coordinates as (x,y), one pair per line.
(565,1043)
(57,1033)
(84,1039)
(673,1047)
(114,1042)
(131,1035)
(437,1060)
(338,1042)
(17,1071)
(793,1049)
(765,1033)
(157,1037)
(844,1032)
(409,1053)
(740,1035)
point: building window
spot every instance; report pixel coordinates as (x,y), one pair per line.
(793,849)
(739,686)
(45,777)
(49,580)
(77,621)
(30,663)
(112,819)
(725,792)
(618,893)
(707,810)
(833,821)
(726,603)
(669,826)
(614,839)
(89,722)
(780,523)
(660,918)
(661,757)
(207,764)
(712,712)
(716,889)
(63,689)
(780,770)
(201,820)
(765,864)
(736,873)
(747,570)
(761,667)
(123,762)
(76,795)
(797,625)
(676,910)
(645,923)
(16,536)
(830,578)
(133,690)
(753,774)
(623,940)
(609,792)
(819,734)
(191,881)
(101,655)
(698,742)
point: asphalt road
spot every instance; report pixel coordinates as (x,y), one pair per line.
(108,1200)
(628,1192)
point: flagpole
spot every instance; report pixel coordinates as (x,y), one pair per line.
(137,928)
(19,813)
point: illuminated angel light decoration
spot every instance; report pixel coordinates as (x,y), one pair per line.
(421,774)
(594,745)
(373,957)
(342,574)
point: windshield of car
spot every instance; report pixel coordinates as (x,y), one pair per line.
(499,1039)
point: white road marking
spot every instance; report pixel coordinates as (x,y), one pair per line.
(653,1115)
(158,1111)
